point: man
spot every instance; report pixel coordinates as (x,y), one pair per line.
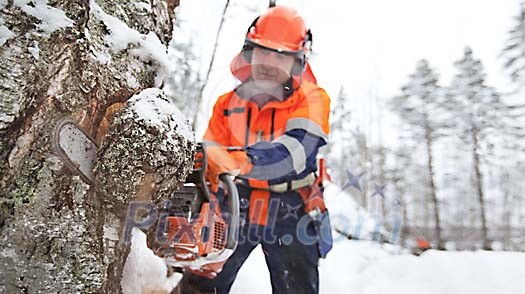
(267,132)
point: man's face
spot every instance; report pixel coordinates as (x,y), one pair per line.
(271,66)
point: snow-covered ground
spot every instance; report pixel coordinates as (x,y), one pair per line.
(363,267)
(368,268)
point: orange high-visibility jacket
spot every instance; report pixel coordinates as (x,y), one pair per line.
(282,138)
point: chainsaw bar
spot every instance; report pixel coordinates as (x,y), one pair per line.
(76,149)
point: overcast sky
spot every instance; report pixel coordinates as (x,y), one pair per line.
(369,47)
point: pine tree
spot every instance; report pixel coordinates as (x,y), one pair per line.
(397,175)
(183,84)
(514,150)
(340,137)
(514,51)
(347,149)
(417,106)
(478,112)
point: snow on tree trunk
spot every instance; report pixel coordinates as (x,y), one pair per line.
(79,59)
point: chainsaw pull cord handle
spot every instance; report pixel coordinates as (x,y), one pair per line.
(233,207)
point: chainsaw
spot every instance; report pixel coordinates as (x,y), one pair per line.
(194,233)
(196,236)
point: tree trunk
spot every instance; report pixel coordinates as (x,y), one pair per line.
(479,188)
(63,59)
(507,211)
(433,195)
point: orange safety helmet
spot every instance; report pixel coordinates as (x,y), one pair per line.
(280,29)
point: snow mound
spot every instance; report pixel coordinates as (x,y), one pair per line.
(144,270)
(351,219)
(152,106)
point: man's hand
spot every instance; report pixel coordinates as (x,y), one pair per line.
(221,161)
(313,198)
(244,163)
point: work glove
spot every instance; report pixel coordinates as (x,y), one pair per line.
(219,162)
(313,199)
(244,164)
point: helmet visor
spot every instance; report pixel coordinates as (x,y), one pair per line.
(269,45)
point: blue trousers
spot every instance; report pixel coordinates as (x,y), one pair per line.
(288,242)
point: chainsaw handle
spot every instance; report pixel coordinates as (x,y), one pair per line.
(233,207)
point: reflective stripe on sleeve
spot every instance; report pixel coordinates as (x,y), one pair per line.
(307,125)
(296,150)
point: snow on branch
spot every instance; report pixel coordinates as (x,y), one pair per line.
(51,18)
(145,47)
(5,34)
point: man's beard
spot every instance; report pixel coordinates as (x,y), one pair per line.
(266,81)
(269,87)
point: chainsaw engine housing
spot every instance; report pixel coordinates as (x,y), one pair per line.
(191,231)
